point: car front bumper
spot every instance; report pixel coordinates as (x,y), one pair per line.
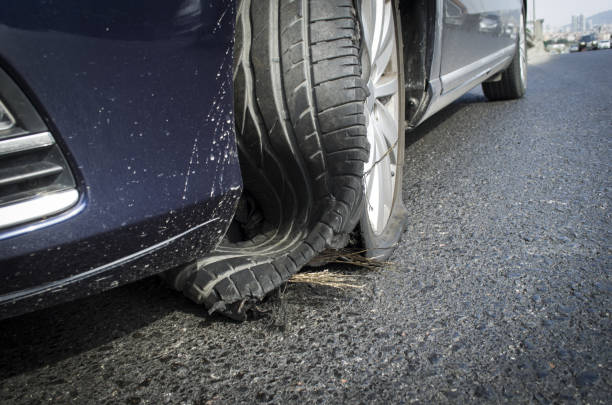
(139,98)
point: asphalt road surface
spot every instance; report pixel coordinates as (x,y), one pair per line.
(500,291)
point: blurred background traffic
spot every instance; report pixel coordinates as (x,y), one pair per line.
(569,26)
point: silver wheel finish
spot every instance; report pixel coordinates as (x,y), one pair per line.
(381,109)
(523,54)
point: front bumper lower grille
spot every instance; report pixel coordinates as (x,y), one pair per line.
(35,179)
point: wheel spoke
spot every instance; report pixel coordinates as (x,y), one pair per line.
(382,61)
(384,40)
(387,23)
(387,125)
(386,193)
(382,194)
(381,148)
(368,21)
(373,190)
(385,86)
(371,159)
(377,31)
(370,182)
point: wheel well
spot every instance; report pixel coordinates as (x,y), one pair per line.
(418,19)
(418,22)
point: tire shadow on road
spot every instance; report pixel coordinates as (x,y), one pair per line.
(53,334)
(49,336)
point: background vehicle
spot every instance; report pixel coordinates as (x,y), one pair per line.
(587,42)
(135,102)
(603,44)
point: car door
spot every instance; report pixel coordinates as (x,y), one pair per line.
(476,34)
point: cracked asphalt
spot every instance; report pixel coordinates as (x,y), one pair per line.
(499,292)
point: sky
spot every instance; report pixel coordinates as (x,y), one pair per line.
(559,12)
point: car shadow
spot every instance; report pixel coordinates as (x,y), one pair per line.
(432,123)
(48,336)
(53,334)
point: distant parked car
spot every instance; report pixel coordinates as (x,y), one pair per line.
(604,44)
(557,48)
(574,48)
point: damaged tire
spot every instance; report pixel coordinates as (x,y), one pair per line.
(302,141)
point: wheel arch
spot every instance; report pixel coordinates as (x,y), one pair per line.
(418,21)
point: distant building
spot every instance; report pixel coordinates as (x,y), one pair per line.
(578,23)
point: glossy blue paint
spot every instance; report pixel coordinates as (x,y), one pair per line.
(139,96)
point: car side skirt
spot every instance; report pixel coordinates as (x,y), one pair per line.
(453,85)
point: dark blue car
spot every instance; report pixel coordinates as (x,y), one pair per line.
(223,143)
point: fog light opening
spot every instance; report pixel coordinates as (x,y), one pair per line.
(6,119)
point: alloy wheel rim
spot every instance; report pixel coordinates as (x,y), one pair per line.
(523,54)
(381,110)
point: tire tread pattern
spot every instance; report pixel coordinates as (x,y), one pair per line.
(299,103)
